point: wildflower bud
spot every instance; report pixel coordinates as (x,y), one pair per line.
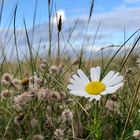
(43,94)
(61,68)
(7,77)
(4,82)
(136,134)
(5,94)
(129,70)
(55,95)
(19,119)
(58,134)
(17,84)
(42,67)
(62,95)
(38,137)
(54,69)
(66,116)
(35,82)
(59,26)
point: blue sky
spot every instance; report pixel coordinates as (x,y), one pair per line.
(114,16)
(72,8)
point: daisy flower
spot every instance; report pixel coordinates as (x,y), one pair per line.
(93,88)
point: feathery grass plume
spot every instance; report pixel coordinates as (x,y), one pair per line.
(58,134)
(136,134)
(20,101)
(38,137)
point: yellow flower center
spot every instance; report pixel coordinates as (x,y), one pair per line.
(95,87)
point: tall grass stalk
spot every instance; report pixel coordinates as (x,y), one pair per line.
(130,112)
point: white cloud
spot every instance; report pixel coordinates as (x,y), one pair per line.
(110,32)
(57,16)
(119,18)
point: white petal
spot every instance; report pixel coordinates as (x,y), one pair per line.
(96,97)
(74,87)
(108,76)
(76,83)
(79,93)
(95,73)
(118,80)
(112,89)
(79,80)
(83,76)
(115,79)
